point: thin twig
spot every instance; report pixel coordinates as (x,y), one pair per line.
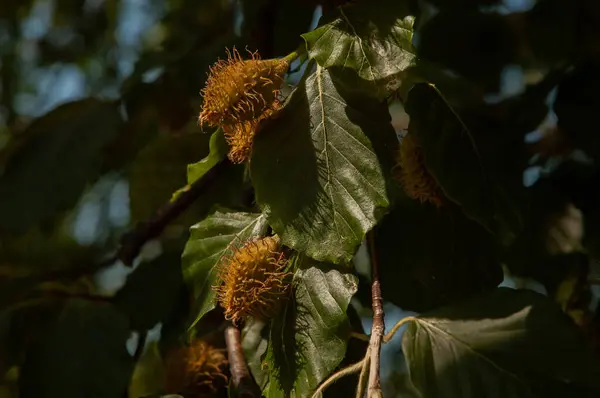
(374,389)
(133,241)
(347,371)
(241,379)
(364,374)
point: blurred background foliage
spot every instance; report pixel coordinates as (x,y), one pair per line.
(98,108)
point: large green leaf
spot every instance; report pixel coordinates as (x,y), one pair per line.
(210,241)
(511,343)
(437,129)
(376,44)
(319,169)
(430,257)
(152,292)
(478,154)
(82,355)
(308,339)
(62,154)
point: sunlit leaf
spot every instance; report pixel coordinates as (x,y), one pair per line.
(217,151)
(376,44)
(210,241)
(255,341)
(319,170)
(509,343)
(308,338)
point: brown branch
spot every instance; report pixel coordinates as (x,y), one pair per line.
(241,379)
(374,386)
(133,241)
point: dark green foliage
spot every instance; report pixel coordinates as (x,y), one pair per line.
(62,153)
(492,95)
(431,257)
(511,353)
(88,339)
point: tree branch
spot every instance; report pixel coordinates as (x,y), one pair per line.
(133,241)
(374,386)
(241,379)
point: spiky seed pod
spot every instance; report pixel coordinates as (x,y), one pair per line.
(195,371)
(254,280)
(240,90)
(412,173)
(240,136)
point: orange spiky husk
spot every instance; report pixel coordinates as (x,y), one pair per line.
(254,280)
(412,173)
(240,90)
(197,370)
(240,136)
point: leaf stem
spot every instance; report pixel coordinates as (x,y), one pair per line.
(133,241)
(298,52)
(360,336)
(390,335)
(241,379)
(364,375)
(374,388)
(347,371)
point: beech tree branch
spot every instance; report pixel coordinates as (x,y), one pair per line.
(374,386)
(133,241)
(241,379)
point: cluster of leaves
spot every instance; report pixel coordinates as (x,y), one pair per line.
(321,177)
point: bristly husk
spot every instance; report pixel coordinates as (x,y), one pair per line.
(254,280)
(412,173)
(240,136)
(239,91)
(197,370)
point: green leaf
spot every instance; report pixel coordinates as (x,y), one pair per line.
(255,341)
(218,151)
(510,343)
(319,169)
(445,138)
(82,355)
(467,153)
(210,241)
(152,291)
(308,338)
(62,154)
(430,257)
(376,44)
(159,169)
